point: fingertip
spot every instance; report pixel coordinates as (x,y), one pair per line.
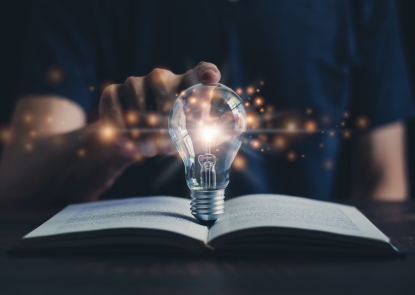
(209,76)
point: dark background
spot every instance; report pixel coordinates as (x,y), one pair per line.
(13,16)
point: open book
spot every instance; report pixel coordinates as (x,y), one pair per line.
(253,223)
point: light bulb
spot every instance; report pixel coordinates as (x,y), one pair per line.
(207,124)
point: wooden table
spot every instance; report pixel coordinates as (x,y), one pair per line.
(126,274)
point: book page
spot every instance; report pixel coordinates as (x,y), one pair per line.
(159,213)
(293,212)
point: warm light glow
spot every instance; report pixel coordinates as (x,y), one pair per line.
(4,135)
(346,114)
(239,91)
(138,158)
(311,126)
(129,145)
(362,122)
(81,152)
(347,134)
(28,118)
(152,119)
(209,132)
(309,111)
(280,142)
(291,126)
(259,101)
(135,133)
(239,163)
(250,90)
(255,143)
(55,75)
(107,133)
(291,156)
(131,117)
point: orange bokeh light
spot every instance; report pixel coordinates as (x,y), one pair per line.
(311,126)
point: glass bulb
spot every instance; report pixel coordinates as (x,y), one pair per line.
(207,124)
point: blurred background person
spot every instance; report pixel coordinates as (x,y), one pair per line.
(325,81)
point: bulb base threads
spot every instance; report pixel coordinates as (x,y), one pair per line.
(207,206)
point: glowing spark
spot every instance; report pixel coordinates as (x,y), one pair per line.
(263,137)
(332,133)
(152,119)
(309,111)
(261,83)
(261,110)
(362,122)
(343,123)
(4,135)
(138,158)
(192,99)
(280,142)
(302,156)
(239,91)
(247,104)
(81,152)
(239,163)
(255,143)
(250,90)
(291,127)
(28,118)
(55,75)
(257,90)
(311,126)
(92,88)
(347,134)
(107,133)
(346,114)
(291,156)
(129,145)
(135,133)
(259,101)
(131,117)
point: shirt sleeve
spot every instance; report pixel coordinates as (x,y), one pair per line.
(58,53)
(381,86)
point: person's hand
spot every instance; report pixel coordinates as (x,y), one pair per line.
(136,113)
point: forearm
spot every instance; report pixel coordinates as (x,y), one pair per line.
(78,165)
(379,164)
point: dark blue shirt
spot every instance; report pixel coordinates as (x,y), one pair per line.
(327,57)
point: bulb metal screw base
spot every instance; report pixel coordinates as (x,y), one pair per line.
(207,206)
